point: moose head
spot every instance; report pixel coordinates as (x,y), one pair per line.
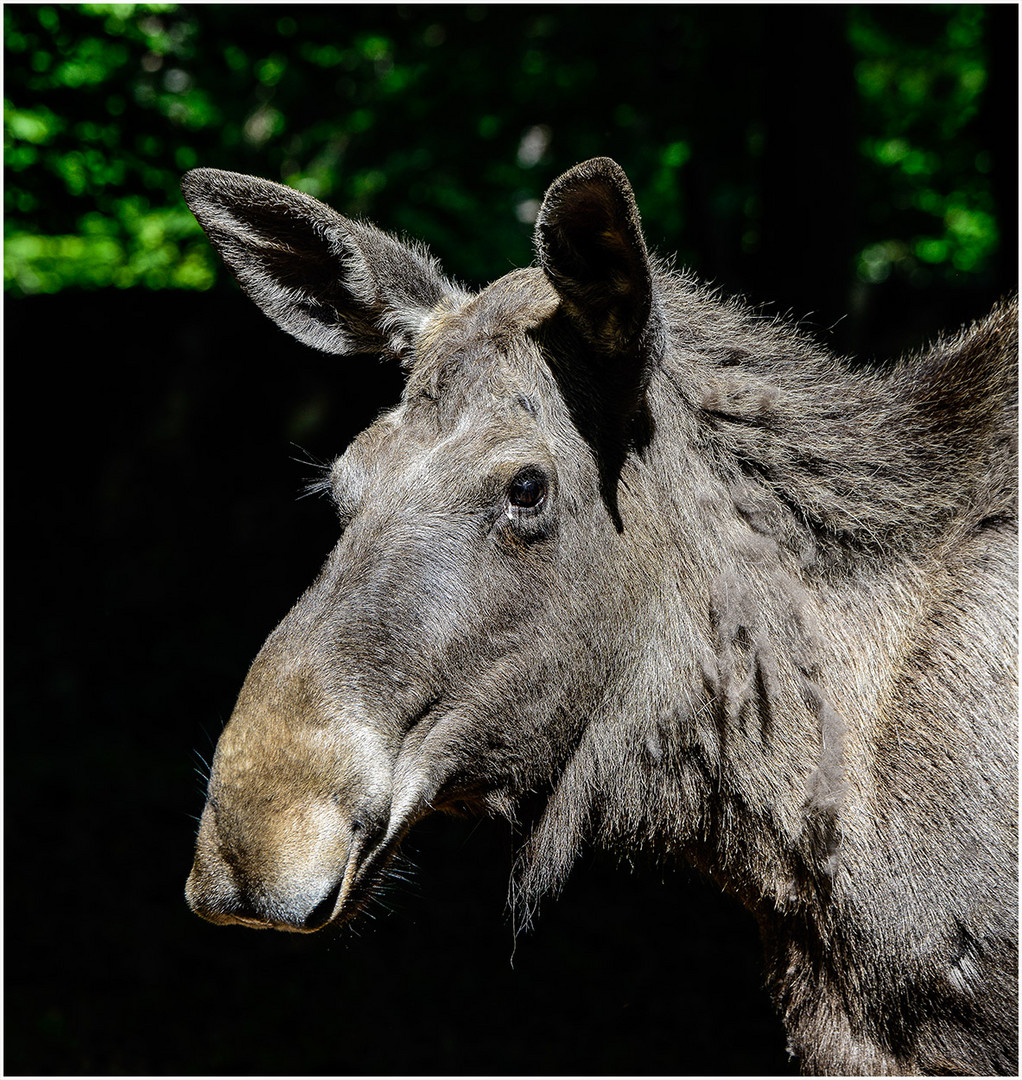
(674,573)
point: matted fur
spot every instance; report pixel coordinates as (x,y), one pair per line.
(711,592)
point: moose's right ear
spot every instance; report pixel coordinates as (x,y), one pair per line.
(590,245)
(335,284)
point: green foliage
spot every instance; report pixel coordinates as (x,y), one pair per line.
(92,134)
(920,99)
(448,122)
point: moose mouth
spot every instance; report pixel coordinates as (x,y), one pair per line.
(349,897)
(340,904)
(331,860)
(226,888)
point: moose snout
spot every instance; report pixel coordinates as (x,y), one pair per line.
(287,870)
(298,911)
(301,910)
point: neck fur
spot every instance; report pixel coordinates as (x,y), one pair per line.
(786,508)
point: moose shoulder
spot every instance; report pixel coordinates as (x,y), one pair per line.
(707,589)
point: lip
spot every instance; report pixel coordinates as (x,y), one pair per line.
(371,853)
(373,830)
(346,898)
(366,866)
(254,924)
(355,886)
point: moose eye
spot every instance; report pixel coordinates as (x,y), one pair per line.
(528,490)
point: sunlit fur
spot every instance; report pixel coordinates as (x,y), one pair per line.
(763,619)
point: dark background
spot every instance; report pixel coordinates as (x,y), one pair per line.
(158,438)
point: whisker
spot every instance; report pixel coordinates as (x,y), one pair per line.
(318,485)
(309,458)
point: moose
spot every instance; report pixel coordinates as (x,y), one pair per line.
(670,571)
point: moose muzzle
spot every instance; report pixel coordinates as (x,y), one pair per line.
(296,816)
(286,870)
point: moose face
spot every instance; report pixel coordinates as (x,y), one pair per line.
(446,654)
(701,588)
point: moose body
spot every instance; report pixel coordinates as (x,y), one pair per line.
(669,568)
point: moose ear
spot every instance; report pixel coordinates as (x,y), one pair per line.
(335,284)
(589,243)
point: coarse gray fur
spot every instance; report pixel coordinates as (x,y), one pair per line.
(707,590)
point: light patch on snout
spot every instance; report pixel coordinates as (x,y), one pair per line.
(311,846)
(293,810)
(276,870)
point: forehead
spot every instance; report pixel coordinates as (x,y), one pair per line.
(482,397)
(484,343)
(478,382)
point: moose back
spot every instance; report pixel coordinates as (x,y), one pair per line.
(707,590)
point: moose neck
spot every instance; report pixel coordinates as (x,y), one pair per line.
(737,689)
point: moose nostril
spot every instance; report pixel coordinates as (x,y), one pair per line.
(320,914)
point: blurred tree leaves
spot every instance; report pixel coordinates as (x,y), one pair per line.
(921,81)
(447,122)
(97,117)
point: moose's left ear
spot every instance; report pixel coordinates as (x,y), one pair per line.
(589,243)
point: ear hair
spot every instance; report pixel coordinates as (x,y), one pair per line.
(589,243)
(335,284)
